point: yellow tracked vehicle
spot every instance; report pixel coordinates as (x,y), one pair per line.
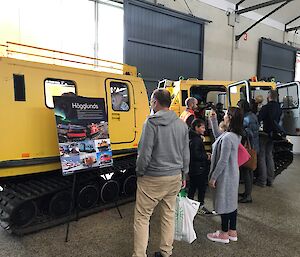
(228,93)
(33,193)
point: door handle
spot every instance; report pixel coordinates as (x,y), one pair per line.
(115,116)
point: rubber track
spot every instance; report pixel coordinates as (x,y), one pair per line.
(39,187)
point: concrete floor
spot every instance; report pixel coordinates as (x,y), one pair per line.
(270,226)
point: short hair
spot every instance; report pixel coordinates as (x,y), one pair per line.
(190,100)
(253,106)
(236,118)
(244,105)
(197,123)
(162,96)
(219,106)
(259,99)
(273,95)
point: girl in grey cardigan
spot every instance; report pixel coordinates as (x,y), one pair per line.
(224,173)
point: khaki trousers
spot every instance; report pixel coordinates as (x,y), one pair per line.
(150,192)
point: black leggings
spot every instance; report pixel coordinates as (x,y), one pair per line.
(198,182)
(229,219)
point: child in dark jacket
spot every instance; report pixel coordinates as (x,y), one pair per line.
(199,164)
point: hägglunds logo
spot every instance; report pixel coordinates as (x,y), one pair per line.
(85,106)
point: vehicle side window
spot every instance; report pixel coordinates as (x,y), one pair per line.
(184,96)
(57,87)
(19,87)
(222,99)
(119,96)
(288,97)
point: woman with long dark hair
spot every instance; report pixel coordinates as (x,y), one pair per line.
(224,173)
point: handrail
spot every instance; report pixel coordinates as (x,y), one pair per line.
(61,52)
(105,64)
(61,59)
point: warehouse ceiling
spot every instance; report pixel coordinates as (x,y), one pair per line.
(284,15)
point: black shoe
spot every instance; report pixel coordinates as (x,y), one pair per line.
(259,184)
(242,195)
(203,211)
(269,184)
(157,254)
(246,199)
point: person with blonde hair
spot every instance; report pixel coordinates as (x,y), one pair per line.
(259,99)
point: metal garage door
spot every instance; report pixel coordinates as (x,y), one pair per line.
(162,43)
(276,60)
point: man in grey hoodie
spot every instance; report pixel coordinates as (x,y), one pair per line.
(162,162)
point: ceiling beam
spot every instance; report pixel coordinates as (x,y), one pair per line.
(258,6)
(292,29)
(237,37)
(237,5)
(292,20)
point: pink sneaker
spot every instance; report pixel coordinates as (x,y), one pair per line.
(232,234)
(218,236)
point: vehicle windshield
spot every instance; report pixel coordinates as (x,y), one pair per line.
(207,94)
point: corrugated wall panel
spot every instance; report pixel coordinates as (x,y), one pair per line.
(162,43)
(276,60)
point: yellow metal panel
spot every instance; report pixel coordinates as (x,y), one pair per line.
(28,128)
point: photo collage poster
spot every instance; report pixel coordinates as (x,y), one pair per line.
(83,136)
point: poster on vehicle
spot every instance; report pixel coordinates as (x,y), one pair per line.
(82,130)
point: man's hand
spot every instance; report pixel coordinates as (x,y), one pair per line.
(183,185)
(208,156)
(212,183)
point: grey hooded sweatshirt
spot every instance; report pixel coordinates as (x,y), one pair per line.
(164,146)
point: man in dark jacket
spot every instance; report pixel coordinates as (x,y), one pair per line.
(199,166)
(270,116)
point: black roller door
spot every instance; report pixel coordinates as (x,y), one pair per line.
(276,60)
(162,43)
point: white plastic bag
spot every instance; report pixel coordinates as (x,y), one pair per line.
(186,209)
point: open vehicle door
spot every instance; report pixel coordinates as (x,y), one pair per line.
(237,91)
(289,102)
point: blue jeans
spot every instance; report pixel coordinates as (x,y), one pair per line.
(265,161)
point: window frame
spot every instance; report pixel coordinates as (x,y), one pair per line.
(287,87)
(19,89)
(128,95)
(56,79)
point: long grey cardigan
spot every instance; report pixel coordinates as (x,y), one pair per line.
(224,169)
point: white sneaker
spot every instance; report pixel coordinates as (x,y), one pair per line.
(231,237)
